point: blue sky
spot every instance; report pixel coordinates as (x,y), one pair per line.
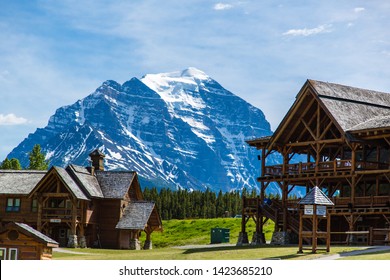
(53,53)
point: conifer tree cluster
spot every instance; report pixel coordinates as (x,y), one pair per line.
(36,157)
(183,204)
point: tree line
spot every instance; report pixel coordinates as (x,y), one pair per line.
(183,204)
(36,161)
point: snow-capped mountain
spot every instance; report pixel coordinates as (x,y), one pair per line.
(177,130)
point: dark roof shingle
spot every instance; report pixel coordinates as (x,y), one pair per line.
(86,179)
(354,108)
(36,233)
(315,197)
(136,215)
(19,181)
(114,184)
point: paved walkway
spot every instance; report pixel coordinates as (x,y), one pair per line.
(363,250)
(63,250)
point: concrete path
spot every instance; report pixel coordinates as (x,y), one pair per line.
(363,250)
(63,250)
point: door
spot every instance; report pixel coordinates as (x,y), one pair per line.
(59,234)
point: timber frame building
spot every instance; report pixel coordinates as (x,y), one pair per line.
(341,138)
(80,206)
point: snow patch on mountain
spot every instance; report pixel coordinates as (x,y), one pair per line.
(179,130)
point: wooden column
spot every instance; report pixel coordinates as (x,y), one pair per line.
(300,245)
(261,215)
(314,230)
(39,217)
(328,229)
(263,161)
(284,204)
(243,223)
(73,228)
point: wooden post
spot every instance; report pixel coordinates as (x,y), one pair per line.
(328,229)
(300,250)
(243,223)
(284,204)
(262,162)
(74,216)
(39,218)
(314,230)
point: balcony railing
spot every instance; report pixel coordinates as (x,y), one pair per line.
(58,213)
(327,166)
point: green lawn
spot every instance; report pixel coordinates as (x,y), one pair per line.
(219,253)
(197,232)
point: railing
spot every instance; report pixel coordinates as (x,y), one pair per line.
(326,166)
(58,213)
(362,201)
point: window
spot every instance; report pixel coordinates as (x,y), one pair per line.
(13,205)
(13,254)
(34,205)
(2,253)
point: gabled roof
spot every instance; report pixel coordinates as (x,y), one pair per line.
(67,180)
(136,215)
(315,197)
(115,184)
(86,180)
(31,232)
(19,181)
(348,109)
(352,107)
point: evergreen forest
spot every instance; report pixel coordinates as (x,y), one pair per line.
(185,204)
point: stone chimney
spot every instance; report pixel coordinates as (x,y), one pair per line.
(97,158)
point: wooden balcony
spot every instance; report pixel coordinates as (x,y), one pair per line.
(63,214)
(327,166)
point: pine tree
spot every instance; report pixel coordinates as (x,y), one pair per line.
(37,159)
(11,164)
(6,164)
(15,164)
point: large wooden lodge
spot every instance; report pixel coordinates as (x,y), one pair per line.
(80,206)
(335,137)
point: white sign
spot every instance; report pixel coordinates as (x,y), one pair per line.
(55,220)
(321,210)
(308,210)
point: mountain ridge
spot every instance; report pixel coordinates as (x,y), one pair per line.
(179,129)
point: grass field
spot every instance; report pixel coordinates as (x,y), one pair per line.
(216,253)
(166,245)
(197,231)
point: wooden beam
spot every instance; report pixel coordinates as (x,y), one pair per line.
(309,129)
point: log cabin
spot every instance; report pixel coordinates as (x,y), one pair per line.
(335,137)
(80,206)
(19,241)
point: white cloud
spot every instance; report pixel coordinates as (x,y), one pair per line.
(11,119)
(325,28)
(222,6)
(359,9)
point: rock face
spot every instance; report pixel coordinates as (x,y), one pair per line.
(177,130)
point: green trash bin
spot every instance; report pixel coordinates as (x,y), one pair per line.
(220,235)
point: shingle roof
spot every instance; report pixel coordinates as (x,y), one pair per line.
(354,108)
(86,179)
(36,234)
(19,181)
(315,197)
(70,183)
(136,215)
(114,184)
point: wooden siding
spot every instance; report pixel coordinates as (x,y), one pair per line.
(108,218)
(24,215)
